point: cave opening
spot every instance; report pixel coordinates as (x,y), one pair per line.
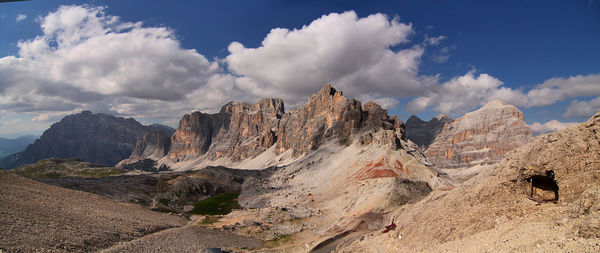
(543,188)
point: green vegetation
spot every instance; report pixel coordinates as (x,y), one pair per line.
(146,165)
(215,205)
(71,167)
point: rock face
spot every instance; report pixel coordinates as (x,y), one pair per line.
(241,130)
(422,132)
(238,131)
(328,114)
(153,145)
(97,138)
(497,212)
(480,137)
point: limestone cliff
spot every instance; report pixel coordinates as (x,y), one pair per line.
(238,131)
(329,114)
(241,131)
(480,137)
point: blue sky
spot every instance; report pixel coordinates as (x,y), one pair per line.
(421,57)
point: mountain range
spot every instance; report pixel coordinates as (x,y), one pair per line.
(11,146)
(337,174)
(98,138)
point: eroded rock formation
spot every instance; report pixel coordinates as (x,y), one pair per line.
(241,130)
(479,137)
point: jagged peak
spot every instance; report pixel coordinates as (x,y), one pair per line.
(328,89)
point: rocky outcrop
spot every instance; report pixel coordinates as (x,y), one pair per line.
(497,210)
(329,114)
(422,132)
(241,130)
(480,137)
(97,138)
(153,145)
(238,131)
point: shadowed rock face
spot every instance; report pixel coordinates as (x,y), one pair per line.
(241,130)
(422,132)
(97,138)
(479,137)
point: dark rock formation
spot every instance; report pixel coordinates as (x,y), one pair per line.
(422,132)
(97,138)
(480,137)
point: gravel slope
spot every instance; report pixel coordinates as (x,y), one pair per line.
(186,239)
(39,217)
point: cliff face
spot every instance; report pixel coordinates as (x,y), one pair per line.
(97,138)
(479,137)
(241,130)
(329,114)
(238,131)
(422,132)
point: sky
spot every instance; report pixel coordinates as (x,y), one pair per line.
(158,60)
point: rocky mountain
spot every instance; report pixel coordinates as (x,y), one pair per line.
(545,197)
(481,137)
(97,138)
(422,132)
(333,164)
(241,132)
(11,146)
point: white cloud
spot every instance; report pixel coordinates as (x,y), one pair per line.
(86,59)
(550,126)
(21,17)
(467,92)
(434,41)
(558,89)
(583,109)
(384,102)
(352,53)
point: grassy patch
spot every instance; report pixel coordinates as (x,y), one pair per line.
(216,205)
(56,168)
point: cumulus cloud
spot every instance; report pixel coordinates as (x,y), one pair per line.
(467,92)
(583,109)
(558,89)
(21,17)
(550,126)
(86,59)
(352,53)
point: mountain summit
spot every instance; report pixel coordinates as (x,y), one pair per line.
(97,138)
(480,137)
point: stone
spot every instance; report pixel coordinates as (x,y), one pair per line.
(480,137)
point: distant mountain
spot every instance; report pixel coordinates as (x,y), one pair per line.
(481,137)
(97,138)
(422,132)
(11,146)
